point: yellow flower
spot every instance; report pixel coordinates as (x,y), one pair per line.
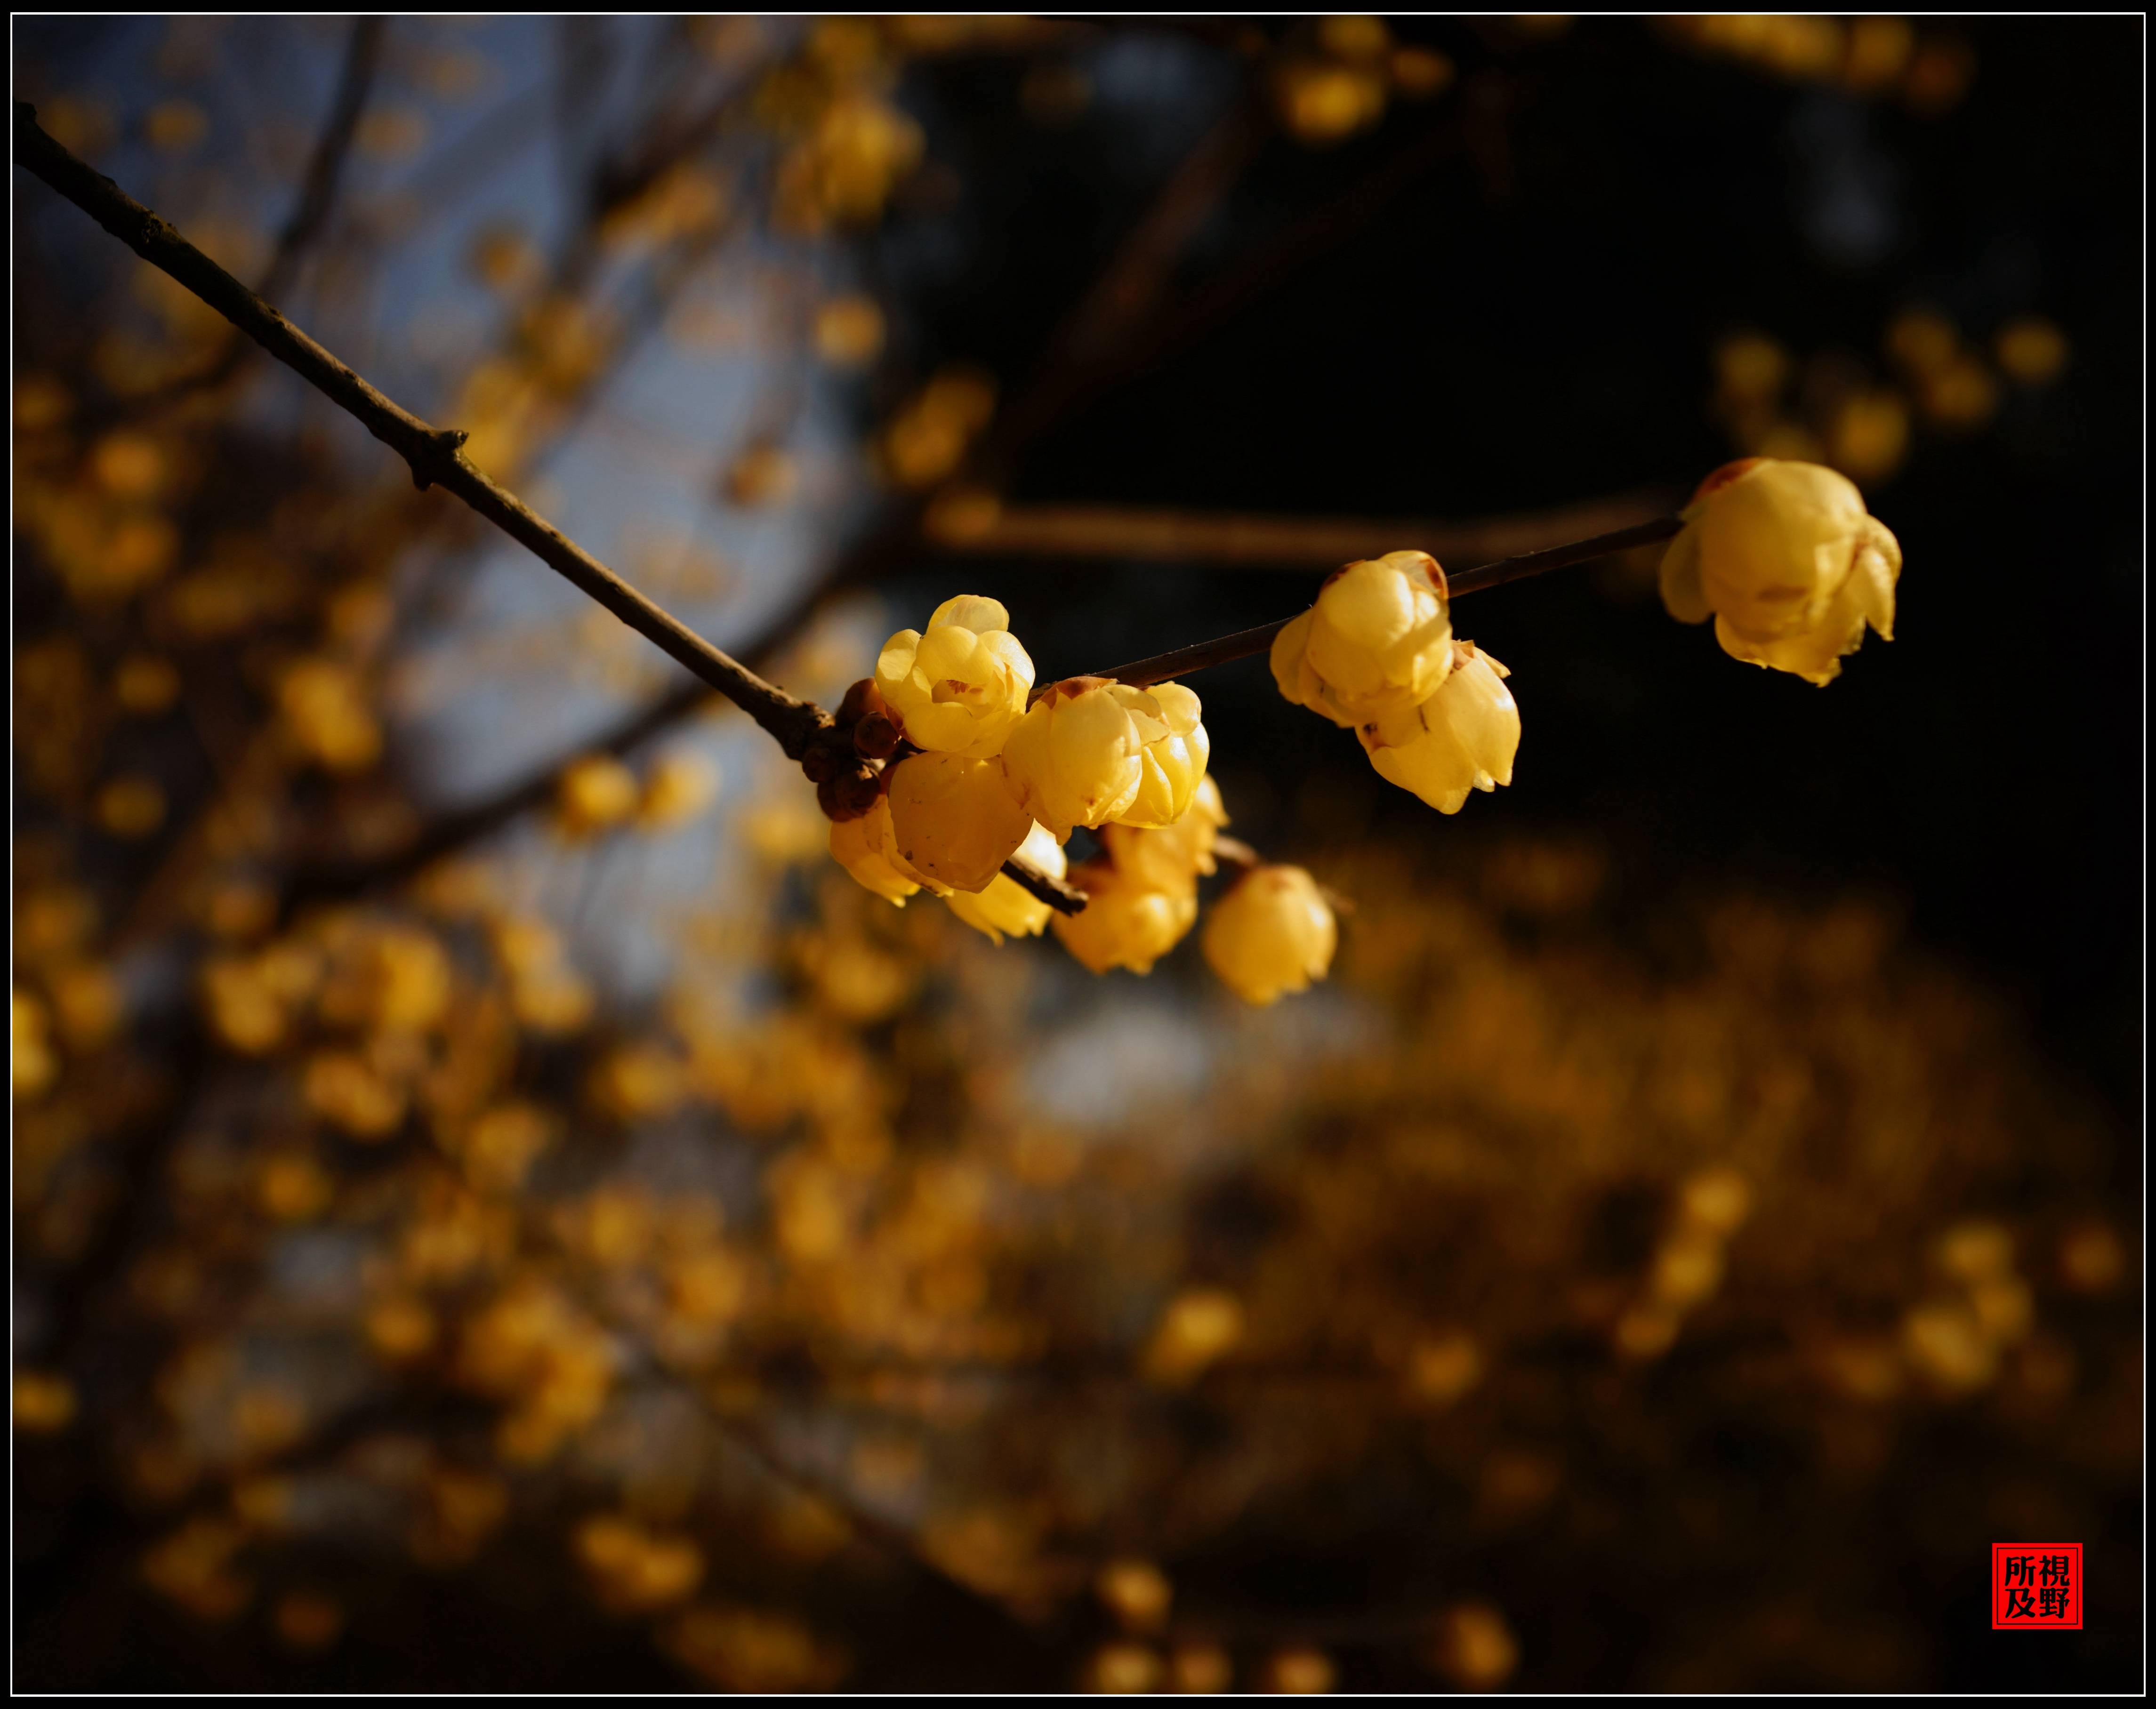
(954,820)
(1078,757)
(865,847)
(1128,923)
(1271,933)
(961,687)
(1173,764)
(1379,640)
(1462,738)
(36,1065)
(1005,905)
(1172,858)
(1785,560)
(594,793)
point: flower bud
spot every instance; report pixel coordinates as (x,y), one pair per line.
(1271,933)
(1172,858)
(865,848)
(1078,757)
(1784,558)
(861,698)
(1462,738)
(1007,906)
(1127,923)
(954,819)
(1174,764)
(875,737)
(1379,640)
(960,687)
(849,794)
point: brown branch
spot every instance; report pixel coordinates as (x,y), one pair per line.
(317,196)
(433,454)
(1064,898)
(1163,667)
(1136,278)
(1251,542)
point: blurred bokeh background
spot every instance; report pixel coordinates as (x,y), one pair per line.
(495,1207)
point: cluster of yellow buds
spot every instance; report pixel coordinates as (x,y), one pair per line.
(1785,560)
(959,767)
(961,773)
(1376,654)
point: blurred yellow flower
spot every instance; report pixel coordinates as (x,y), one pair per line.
(1475,1649)
(43,1402)
(326,714)
(680,787)
(2031,351)
(1128,922)
(1174,857)
(1271,934)
(35,1065)
(1136,1592)
(1323,102)
(848,330)
(1199,1326)
(593,793)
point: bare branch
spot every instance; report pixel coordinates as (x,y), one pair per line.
(433,454)
(1254,542)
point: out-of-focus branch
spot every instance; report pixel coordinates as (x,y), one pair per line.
(1247,541)
(1136,278)
(1163,667)
(1325,228)
(317,197)
(325,166)
(436,457)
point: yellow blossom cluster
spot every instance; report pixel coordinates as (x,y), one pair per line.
(1341,81)
(982,770)
(1845,415)
(533,1348)
(1875,56)
(849,147)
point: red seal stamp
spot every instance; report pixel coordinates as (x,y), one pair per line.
(2035,1587)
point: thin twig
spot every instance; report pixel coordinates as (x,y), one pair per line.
(317,196)
(434,455)
(1163,667)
